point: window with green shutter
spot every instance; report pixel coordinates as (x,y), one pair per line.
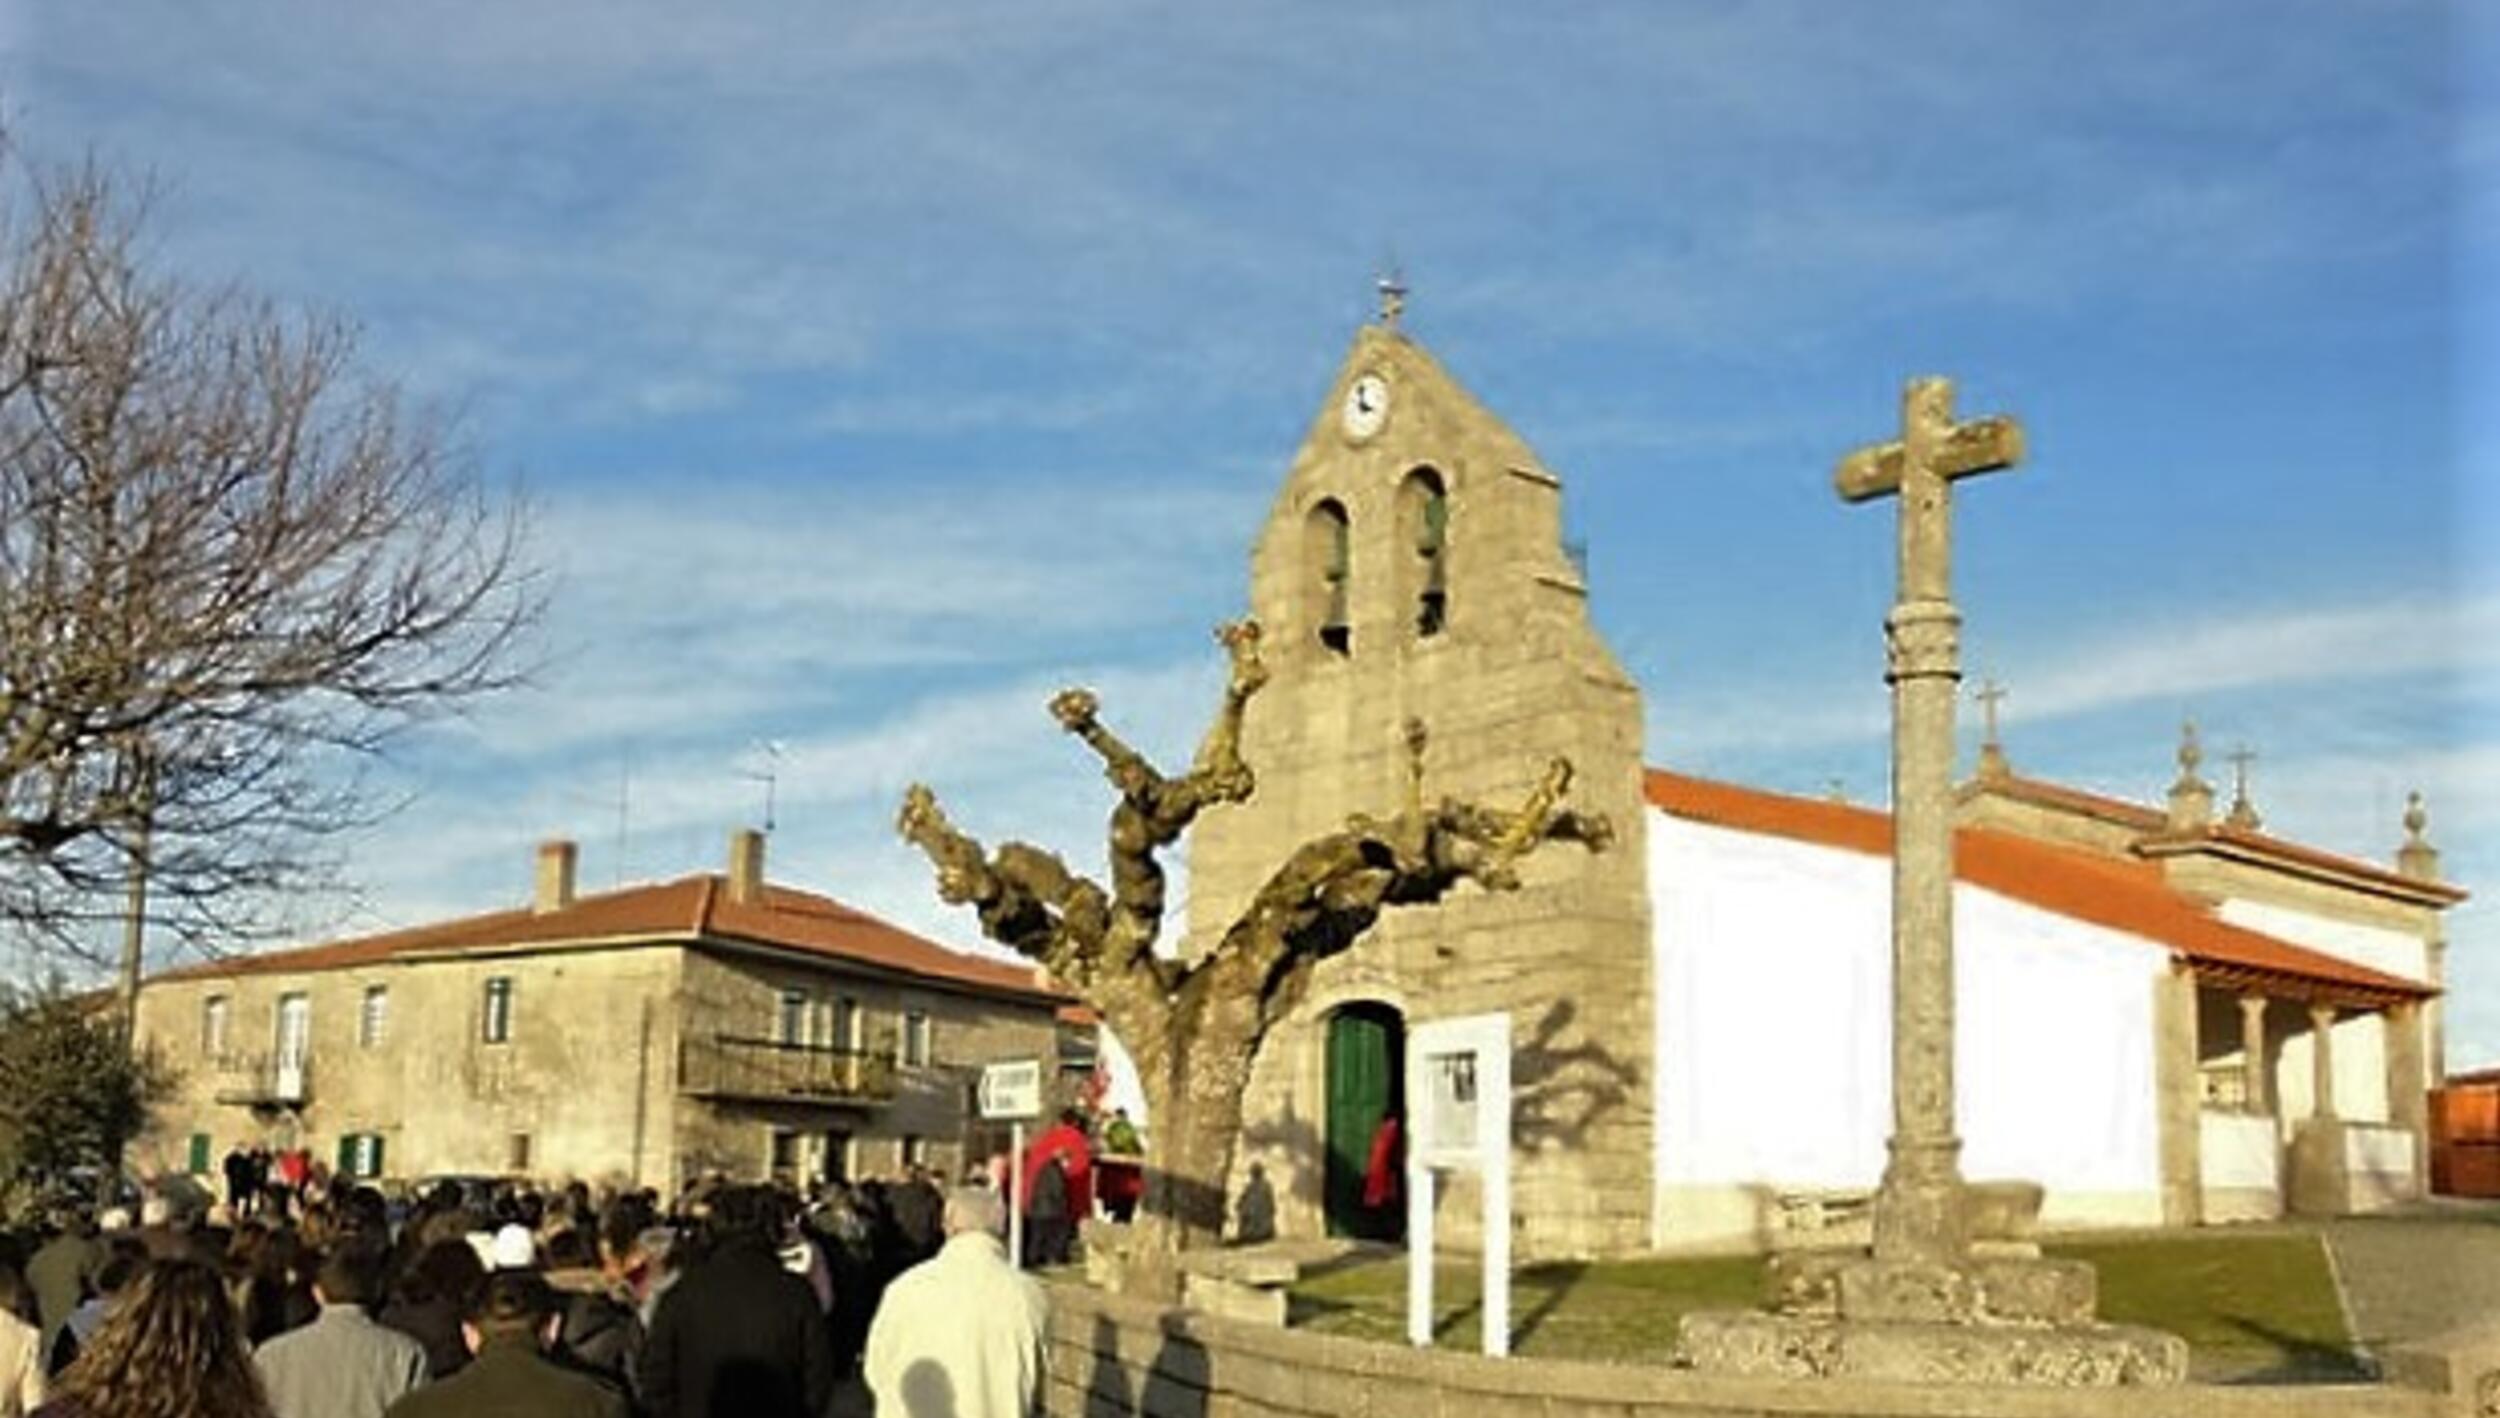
(199,1154)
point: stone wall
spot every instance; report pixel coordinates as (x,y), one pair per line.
(740,994)
(1112,1357)
(588,1074)
(585,1073)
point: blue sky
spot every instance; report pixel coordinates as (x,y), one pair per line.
(874,370)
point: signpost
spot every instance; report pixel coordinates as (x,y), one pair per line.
(1458,1105)
(1011,1092)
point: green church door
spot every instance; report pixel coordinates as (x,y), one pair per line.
(1366,1048)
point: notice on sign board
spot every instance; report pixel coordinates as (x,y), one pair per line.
(1012,1090)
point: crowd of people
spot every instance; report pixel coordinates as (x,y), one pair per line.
(323,1299)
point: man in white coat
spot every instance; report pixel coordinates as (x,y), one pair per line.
(21,1367)
(960,1334)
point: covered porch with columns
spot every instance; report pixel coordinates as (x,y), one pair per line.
(2309,1096)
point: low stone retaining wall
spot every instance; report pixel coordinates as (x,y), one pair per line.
(1116,1357)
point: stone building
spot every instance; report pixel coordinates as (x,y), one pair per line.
(651,1033)
(1700,1013)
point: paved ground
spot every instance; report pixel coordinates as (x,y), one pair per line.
(2413,1276)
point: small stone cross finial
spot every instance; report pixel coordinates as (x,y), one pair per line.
(1992,763)
(2243,813)
(1392,288)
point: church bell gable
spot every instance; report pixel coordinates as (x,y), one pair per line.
(1411,569)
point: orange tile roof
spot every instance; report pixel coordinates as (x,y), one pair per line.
(688,908)
(2154,822)
(2123,895)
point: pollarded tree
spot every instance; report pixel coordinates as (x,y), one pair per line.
(1195,1023)
(232,565)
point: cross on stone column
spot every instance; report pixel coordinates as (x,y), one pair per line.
(1918,1211)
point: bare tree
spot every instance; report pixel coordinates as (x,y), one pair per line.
(232,565)
(1195,1024)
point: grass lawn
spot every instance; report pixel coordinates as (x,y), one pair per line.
(2250,1306)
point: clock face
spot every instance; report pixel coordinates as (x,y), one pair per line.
(1366,406)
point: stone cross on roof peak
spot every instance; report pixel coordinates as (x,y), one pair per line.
(2243,813)
(1992,760)
(1392,287)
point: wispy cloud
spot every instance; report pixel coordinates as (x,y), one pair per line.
(2174,664)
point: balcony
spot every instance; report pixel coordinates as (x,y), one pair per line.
(278,1078)
(725,1066)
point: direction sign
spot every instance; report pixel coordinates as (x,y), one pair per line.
(1011,1090)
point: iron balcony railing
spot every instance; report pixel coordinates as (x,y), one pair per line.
(730,1066)
(276,1077)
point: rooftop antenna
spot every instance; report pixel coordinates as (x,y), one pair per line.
(769,775)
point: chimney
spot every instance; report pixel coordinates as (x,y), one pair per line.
(746,866)
(555,876)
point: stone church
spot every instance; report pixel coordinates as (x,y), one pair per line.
(2169,1015)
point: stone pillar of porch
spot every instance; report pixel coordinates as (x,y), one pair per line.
(2178,1098)
(2257,1080)
(2408,1084)
(2321,1176)
(2322,1061)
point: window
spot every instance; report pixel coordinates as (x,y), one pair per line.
(199,1155)
(915,1150)
(1328,566)
(793,1021)
(785,1156)
(213,1026)
(916,1039)
(499,1010)
(517,1154)
(374,1018)
(1424,526)
(846,1024)
(360,1154)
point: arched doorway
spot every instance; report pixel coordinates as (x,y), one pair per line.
(1366,1065)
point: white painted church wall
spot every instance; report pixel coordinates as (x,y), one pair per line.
(2240,1159)
(2375,946)
(1774,1025)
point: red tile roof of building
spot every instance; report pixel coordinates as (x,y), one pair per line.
(2121,894)
(2155,824)
(688,908)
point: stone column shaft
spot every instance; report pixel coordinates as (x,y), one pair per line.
(2322,1060)
(2258,1080)
(1919,1216)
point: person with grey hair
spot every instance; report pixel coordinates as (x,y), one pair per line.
(961,1333)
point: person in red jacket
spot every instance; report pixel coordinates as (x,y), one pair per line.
(1066,1141)
(1380,1170)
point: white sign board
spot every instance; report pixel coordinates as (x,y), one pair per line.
(1011,1090)
(1458,1092)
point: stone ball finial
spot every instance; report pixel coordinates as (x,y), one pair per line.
(2191,751)
(2417,818)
